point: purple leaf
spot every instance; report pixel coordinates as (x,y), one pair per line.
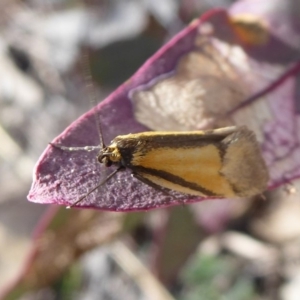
(214,73)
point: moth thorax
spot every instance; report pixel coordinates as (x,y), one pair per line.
(109,155)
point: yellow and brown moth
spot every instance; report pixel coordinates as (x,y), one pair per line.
(224,162)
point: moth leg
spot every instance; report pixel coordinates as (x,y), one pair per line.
(70,149)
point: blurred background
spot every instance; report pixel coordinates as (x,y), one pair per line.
(227,250)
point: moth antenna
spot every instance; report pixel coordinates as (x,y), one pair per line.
(92,94)
(96,187)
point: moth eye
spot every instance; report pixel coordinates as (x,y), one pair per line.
(108,163)
(105,160)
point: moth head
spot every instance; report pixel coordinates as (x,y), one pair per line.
(109,155)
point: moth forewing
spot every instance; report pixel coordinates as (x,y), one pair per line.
(225,162)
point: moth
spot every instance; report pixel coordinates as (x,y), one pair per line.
(224,162)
